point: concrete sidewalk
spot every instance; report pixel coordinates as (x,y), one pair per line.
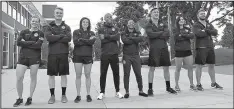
(209,98)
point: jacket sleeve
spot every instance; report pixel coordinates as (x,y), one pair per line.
(188,35)
(89,41)
(126,40)
(165,34)
(212,30)
(38,44)
(114,37)
(151,34)
(177,35)
(76,39)
(198,31)
(66,37)
(138,39)
(23,43)
(51,37)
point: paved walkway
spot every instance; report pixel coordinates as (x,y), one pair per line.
(210,98)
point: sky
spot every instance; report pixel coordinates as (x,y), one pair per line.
(74,11)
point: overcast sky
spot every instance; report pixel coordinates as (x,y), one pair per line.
(74,11)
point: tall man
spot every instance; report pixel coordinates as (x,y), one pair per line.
(158,34)
(109,37)
(58,35)
(131,39)
(205,54)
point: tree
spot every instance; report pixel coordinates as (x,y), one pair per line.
(97,44)
(227,38)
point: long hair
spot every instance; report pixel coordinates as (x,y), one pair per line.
(89,27)
(178,25)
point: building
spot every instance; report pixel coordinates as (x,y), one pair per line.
(15,17)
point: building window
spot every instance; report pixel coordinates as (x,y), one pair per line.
(22,19)
(9,10)
(4,7)
(18,17)
(25,21)
(5,51)
(14,13)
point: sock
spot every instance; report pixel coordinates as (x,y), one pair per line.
(150,85)
(52,91)
(168,84)
(63,90)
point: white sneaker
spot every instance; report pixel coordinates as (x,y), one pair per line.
(119,95)
(100,96)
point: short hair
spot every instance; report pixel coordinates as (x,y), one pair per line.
(200,11)
(152,11)
(60,8)
(35,17)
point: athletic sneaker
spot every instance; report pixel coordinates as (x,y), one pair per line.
(177,89)
(64,99)
(143,94)
(150,92)
(100,96)
(192,87)
(126,95)
(199,87)
(119,95)
(18,102)
(170,90)
(77,100)
(217,86)
(89,99)
(29,101)
(51,100)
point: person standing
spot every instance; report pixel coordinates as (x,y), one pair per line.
(205,54)
(58,35)
(183,53)
(158,34)
(83,39)
(109,36)
(30,41)
(131,39)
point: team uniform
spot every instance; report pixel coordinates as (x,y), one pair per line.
(30,52)
(204,43)
(131,56)
(83,49)
(158,52)
(58,38)
(109,55)
(182,42)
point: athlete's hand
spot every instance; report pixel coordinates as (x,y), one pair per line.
(92,37)
(41,38)
(22,40)
(101,36)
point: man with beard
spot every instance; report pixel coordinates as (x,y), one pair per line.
(205,54)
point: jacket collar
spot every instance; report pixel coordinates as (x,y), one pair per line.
(54,24)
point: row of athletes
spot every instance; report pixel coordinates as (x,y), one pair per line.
(59,35)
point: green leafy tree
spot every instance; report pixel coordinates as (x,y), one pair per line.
(227,38)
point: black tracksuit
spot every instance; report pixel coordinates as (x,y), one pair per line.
(204,43)
(30,52)
(131,56)
(58,37)
(109,54)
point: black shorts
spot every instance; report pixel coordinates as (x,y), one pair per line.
(205,56)
(29,61)
(159,57)
(183,53)
(58,65)
(82,59)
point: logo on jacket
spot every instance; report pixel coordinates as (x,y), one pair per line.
(135,34)
(113,29)
(63,27)
(36,34)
